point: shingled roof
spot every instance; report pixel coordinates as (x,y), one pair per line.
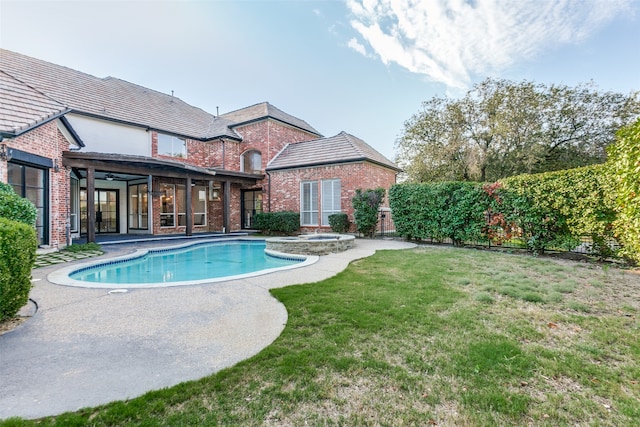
(114,99)
(265,110)
(23,108)
(342,148)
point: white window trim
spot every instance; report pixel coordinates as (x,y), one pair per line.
(314,197)
(330,211)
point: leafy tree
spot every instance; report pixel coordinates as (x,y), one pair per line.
(366,204)
(502,128)
(624,164)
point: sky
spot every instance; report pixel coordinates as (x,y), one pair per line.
(359,66)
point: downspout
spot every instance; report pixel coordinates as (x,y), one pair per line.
(269,191)
(224,154)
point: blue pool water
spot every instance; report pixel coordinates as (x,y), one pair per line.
(188,264)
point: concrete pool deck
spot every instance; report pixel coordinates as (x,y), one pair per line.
(86,347)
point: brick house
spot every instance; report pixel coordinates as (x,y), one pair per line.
(102,155)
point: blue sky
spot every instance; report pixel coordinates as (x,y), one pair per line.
(360,66)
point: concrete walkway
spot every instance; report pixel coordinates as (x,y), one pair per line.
(86,347)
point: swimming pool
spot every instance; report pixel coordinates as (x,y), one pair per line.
(202,262)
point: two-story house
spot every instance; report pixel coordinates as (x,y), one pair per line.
(102,155)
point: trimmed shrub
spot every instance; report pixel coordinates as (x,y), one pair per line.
(366,204)
(339,222)
(624,165)
(17,255)
(284,222)
(16,208)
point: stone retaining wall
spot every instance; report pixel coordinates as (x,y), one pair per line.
(309,245)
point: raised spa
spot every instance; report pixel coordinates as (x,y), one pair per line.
(311,244)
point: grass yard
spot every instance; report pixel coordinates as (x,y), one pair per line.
(431,336)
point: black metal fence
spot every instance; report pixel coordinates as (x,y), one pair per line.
(386,227)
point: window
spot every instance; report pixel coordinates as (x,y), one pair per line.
(74,208)
(167,210)
(172,146)
(199,205)
(138,207)
(251,162)
(32,183)
(309,203)
(330,199)
(174,203)
(180,205)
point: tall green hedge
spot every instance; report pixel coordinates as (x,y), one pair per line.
(555,209)
(548,210)
(439,210)
(17,256)
(624,165)
(15,207)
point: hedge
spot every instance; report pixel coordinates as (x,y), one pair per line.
(17,255)
(549,210)
(440,210)
(16,208)
(555,209)
(624,164)
(285,222)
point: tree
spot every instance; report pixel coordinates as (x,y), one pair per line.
(502,128)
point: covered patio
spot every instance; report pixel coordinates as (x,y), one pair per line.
(92,168)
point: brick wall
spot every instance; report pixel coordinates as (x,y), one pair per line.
(47,141)
(269,137)
(285,185)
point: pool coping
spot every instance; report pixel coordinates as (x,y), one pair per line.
(61,276)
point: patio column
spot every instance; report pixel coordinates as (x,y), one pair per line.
(188,209)
(91,205)
(226,206)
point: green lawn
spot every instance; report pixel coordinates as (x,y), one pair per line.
(431,336)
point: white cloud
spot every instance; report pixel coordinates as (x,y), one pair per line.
(357,46)
(450,40)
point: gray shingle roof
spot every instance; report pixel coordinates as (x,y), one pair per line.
(114,99)
(264,110)
(342,148)
(22,107)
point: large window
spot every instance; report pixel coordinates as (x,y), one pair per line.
(174,203)
(74,208)
(199,205)
(251,162)
(309,203)
(167,209)
(32,183)
(171,146)
(138,207)
(330,199)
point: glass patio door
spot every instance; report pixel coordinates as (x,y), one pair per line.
(106,202)
(251,204)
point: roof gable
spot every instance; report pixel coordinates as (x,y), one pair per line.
(263,111)
(342,148)
(23,108)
